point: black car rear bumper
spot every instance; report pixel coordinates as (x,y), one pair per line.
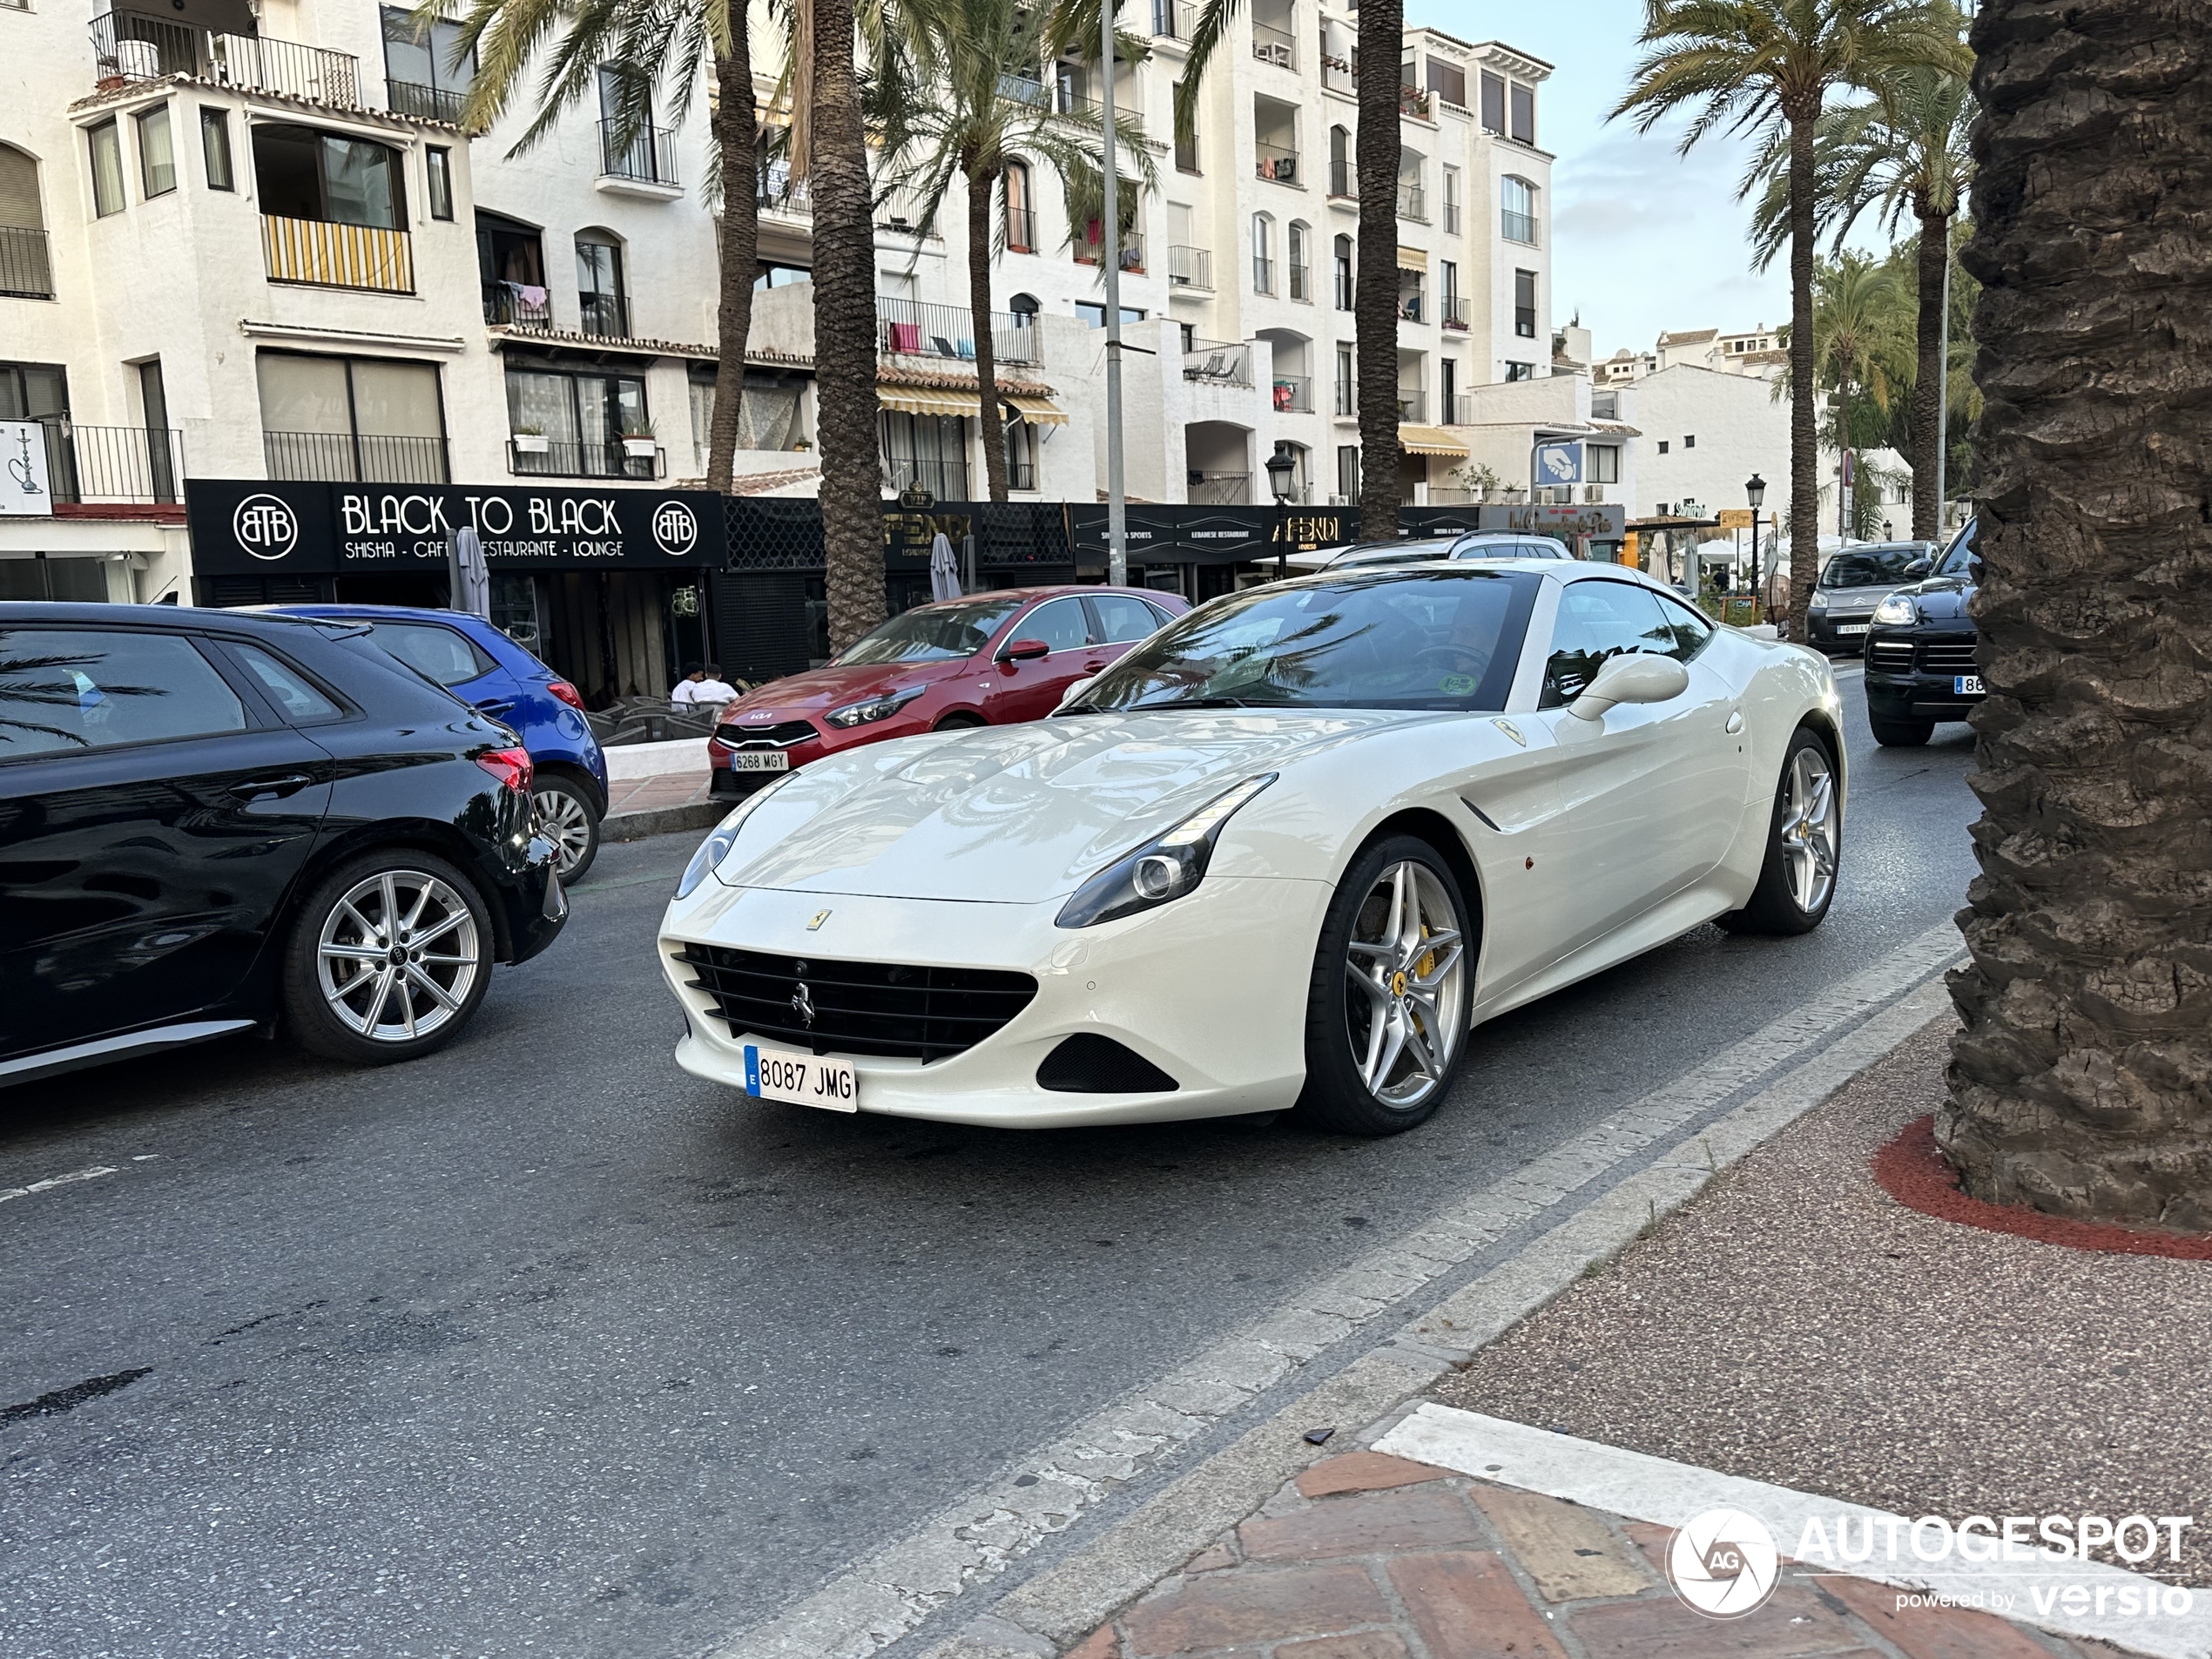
(532,906)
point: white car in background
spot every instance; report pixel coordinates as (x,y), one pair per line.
(1291,850)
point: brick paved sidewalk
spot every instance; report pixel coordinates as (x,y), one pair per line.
(1366,1556)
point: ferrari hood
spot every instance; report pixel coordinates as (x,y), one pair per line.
(1012,814)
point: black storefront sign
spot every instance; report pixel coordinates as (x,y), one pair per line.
(1211,534)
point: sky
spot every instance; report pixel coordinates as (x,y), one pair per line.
(1644,240)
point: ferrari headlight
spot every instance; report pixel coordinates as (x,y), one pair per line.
(1894,609)
(870,709)
(723,837)
(1164,868)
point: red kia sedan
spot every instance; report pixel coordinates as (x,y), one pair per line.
(986,659)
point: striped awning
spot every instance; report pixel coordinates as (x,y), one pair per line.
(924,400)
(1429,441)
(1412,258)
(1036,411)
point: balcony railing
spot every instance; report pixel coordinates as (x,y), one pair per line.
(319,254)
(1262,274)
(1450,219)
(1221,489)
(1020,230)
(425,103)
(1457,410)
(511,305)
(1411,305)
(566,460)
(1020,474)
(1452,312)
(1088,250)
(1517,228)
(1293,394)
(1272,161)
(778,194)
(1190,267)
(135,46)
(1343,179)
(1336,73)
(111,465)
(1174,19)
(945,478)
(915,328)
(1273,46)
(1412,202)
(1413,101)
(648,157)
(604,316)
(1224,363)
(1347,404)
(26,269)
(354,458)
(1411,404)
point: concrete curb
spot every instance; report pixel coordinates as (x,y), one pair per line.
(663,820)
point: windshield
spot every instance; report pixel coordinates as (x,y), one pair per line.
(1961,554)
(930,634)
(1868,567)
(1434,639)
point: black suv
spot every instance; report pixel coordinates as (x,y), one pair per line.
(212,821)
(1920,665)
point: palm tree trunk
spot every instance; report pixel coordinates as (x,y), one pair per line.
(2080,1084)
(1804,442)
(1927,378)
(845,333)
(1374,302)
(982,189)
(737,136)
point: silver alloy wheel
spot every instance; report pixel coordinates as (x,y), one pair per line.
(398,955)
(1404,985)
(1809,829)
(563,817)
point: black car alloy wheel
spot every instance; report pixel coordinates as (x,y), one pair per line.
(390,957)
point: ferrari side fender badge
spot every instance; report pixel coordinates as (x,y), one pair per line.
(1511,731)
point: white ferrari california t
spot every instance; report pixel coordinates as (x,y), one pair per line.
(1291,850)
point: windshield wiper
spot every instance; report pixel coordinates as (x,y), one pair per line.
(1189,703)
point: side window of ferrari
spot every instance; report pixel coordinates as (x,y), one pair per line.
(1596,620)
(1682,632)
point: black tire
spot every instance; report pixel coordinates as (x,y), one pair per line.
(566,812)
(960,721)
(1337,1094)
(1774,906)
(463,927)
(1900,734)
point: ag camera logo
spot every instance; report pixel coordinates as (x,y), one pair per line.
(674,528)
(1724,1563)
(265,527)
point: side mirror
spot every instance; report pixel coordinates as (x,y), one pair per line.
(1920,567)
(1076,689)
(1024,651)
(1630,679)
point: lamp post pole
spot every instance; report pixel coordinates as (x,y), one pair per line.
(1111,237)
(1755,493)
(1280,468)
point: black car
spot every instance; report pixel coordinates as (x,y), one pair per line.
(212,822)
(1852,585)
(1920,665)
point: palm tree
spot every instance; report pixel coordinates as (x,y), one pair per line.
(1766,68)
(654,44)
(1905,151)
(1855,339)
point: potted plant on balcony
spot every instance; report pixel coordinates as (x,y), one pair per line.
(531,441)
(638,442)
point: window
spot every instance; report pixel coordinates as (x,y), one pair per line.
(930,450)
(1447,81)
(107,169)
(91,689)
(1122,618)
(1598,620)
(1095,313)
(1021,222)
(1604,464)
(1021,455)
(580,415)
(346,419)
(1494,103)
(1519,371)
(1517,210)
(1452,201)
(1682,632)
(1449,387)
(1262,254)
(1524,113)
(25,270)
(1662,446)
(215,148)
(437,166)
(599,285)
(1186,146)
(1344,273)
(421,77)
(1347,384)
(941,634)
(442,654)
(284,687)
(1061,624)
(1341,182)
(157,155)
(1348,471)
(1524,304)
(1690,441)
(304,173)
(1301,282)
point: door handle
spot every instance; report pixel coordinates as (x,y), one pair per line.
(288,784)
(1094,667)
(495,706)
(1734,722)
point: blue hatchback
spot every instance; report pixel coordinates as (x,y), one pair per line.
(484,668)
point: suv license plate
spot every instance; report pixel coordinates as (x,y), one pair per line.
(1966,685)
(801,1079)
(759,760)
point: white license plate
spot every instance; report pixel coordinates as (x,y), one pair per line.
(1966,685)
(759,760)
(1841,627)
(801,1079)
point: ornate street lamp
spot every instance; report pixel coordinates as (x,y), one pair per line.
(1755,493)
(1282,466)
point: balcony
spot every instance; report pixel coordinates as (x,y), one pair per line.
(1020,474)
(944,477)
(1517,228)
(1174,19)
(135,46)
(1221,489)
(26,271)
(511,305)
(425,103)
(1190,267)
(1414,102)
(778,194)
(1088,250)
(914,329)
(1344,180)
(354,458)
(604,316)
(1411,404)
(1412,202)
(1347,404)
(647,157)
(1272,161)
(91,468)
(316,253)
(1273,46)
(1222,362)
(551,458)
(1452,312)
(1413,305)
(1293,394)
(1456,410)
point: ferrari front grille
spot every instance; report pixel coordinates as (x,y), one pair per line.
(858,1008)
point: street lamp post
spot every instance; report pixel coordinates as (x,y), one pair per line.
(1755,493)
(1282,466)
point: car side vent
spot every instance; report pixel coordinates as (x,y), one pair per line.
(1090,1064)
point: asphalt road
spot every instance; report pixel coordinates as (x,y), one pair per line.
(540,1345)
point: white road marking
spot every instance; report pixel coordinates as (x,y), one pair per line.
(877,1601)
(1670,1494)
(8,1193)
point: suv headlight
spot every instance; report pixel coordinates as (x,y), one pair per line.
(1164,868)
(870,709)
(722,838)
(1818,601)
(1895,609)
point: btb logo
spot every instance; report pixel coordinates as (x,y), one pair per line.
(266,527)
(674,528)
(1724,1563)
